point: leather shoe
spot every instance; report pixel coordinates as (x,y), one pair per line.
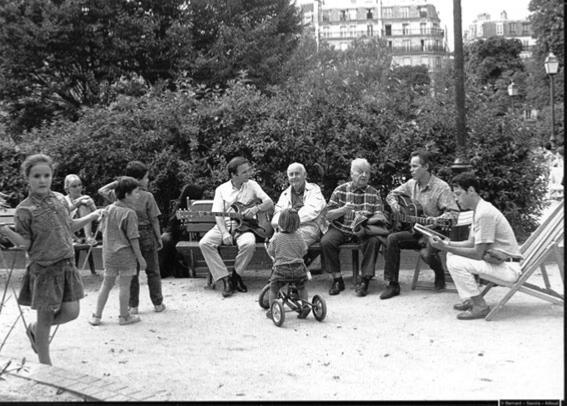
(465,305)
(337,287)
(393,289)
(362,288)
(237,283)
(474,313)
(228,289)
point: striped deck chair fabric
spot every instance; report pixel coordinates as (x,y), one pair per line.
(542,243)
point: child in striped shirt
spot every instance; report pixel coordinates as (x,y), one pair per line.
(288,249)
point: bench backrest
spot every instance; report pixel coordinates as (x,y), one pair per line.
(7,216)
(198,225)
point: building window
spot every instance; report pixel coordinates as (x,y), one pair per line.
(423,45)
(406,44)
(390,44)
(423,28)
(499,29)
(370,30)
(352,31)
(352,14)
(512,28)
(404,12)
(387,12)
(369,14)
(326,16)
(343,31)
(388,28)
(405,29)
(342,15)
(525,28)
(423,12)
(325,32)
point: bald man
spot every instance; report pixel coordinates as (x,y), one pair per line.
(309,202)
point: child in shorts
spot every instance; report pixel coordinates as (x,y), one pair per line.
(120,250)
(51,284)
(288,248)
(150,235)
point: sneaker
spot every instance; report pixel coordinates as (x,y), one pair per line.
(159,308)
(393,289)
(94,320)
(130,319)
(337,287)
(269,314)
(133,310)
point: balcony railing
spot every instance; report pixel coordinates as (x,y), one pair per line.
(436,32)
(417,49)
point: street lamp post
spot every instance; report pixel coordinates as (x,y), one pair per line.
(461,163)
(551,65)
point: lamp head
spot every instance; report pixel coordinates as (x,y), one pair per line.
(551,64)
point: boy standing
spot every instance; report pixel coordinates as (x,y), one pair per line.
(150,235)
(120,250)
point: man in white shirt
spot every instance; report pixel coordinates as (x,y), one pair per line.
(239,189)
(306,198)
(491,249)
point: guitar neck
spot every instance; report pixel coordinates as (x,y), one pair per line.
(412,219)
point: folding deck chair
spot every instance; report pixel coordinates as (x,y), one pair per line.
(545,240)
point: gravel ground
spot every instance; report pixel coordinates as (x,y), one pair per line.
(204,347)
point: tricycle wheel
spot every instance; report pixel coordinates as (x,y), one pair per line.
(264,298)
(319,308)
(278,313)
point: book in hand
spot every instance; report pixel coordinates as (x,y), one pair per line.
(429,232)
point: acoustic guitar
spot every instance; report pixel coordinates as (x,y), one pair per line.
(411,212)
(259,224)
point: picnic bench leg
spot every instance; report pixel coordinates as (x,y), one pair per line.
(191,265)
(416,273)
(355,267)
(560,259)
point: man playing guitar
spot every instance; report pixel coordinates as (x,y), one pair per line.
(439,206)
(348,202)
(239,189)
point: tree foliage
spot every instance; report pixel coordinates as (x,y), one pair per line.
(327,115)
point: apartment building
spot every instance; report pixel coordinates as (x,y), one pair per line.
(484,27)
(411,28)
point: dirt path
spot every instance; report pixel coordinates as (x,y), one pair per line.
(409,347)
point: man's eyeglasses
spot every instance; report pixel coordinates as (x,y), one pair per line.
(76,185)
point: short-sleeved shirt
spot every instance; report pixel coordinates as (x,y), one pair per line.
(435,197)
(366,200)
(120,226)
(287,248)
(44,220)
(226,195)
(146,207)
(491,227)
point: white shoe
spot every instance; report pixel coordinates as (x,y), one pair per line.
(94,320)
(130,319)
(159,308)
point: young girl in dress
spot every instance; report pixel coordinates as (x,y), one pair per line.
(51,284)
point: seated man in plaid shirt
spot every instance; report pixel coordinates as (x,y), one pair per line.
(350,202)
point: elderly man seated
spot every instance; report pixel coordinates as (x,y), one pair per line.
(309,202)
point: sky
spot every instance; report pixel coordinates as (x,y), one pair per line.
(516,9)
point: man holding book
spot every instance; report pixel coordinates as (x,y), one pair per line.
(491,249)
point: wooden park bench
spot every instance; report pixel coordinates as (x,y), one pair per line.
(198,226)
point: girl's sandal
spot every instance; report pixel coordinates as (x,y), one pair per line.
(31,335)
